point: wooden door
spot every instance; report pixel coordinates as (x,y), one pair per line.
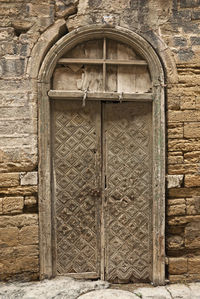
(77,167)
(128,194)
(102,163)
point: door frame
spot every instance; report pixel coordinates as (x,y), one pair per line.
(158,116)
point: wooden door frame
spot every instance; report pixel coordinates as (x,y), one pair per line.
(44,84)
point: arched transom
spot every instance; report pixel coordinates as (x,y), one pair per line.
(104,68)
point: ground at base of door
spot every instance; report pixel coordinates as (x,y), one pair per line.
(68,288)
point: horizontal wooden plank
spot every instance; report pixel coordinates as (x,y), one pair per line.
(125,62)
(87,275)
(101,61)
(99,96)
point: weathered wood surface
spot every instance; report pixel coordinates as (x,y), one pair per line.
(100,96)
(76,160)
(128,193)
(102,65)
(101,61)
(156,74)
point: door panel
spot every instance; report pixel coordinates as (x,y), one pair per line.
(106,149)
(128,206)
(76,165)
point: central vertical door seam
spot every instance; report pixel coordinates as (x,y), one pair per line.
(103,174)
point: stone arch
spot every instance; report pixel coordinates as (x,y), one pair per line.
(44,82)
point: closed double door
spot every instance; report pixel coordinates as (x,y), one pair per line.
(102,190)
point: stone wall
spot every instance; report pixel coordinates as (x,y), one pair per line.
(27,30)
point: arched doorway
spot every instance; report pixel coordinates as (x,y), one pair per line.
(104,153)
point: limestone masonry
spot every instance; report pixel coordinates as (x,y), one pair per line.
(28,29)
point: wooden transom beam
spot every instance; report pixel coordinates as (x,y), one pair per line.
(101,61)
(99,96)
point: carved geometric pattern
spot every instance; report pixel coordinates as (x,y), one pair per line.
(129,192)
(128,209)
(76,169)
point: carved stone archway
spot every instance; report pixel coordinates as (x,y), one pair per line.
(45,163)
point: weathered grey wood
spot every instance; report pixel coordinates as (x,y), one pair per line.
(93,78)
(100,96)
(76,160)
(111,82)
(104,64)
(65,61)
(68,79)
(159,187)
(157,76)
(88,275)
(126,75)
(128,211)
(44,184)
(142,79)
(92,49)
(103,194)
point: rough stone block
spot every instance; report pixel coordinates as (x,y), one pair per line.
(193,205)
(183,192)
(19,191)
(192,180)
(177,265)
(12,159)
(176,210)
(13,205)
(194,265)
(192,130)
(182,116)
(19,220)
(196,15)
(175,158)
(9,179)
(189,3)
(180,41)
(192,157)
(12,67)
(175,230)
(1,206)
(195,40)
(28,178)
(192,235)
(174,102)
(198,102)
(182,220)
(178,278)
(6,34)
(39,9)
(187,103)
(28,263)
(179,169)
(186,145)
(185,54)
(175,130)
(29,235)
(18,251)
(175,242)
(176,207)
(174,181)
(9,236)
(20,265)
(9,98)
(63,11)
(30,201)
